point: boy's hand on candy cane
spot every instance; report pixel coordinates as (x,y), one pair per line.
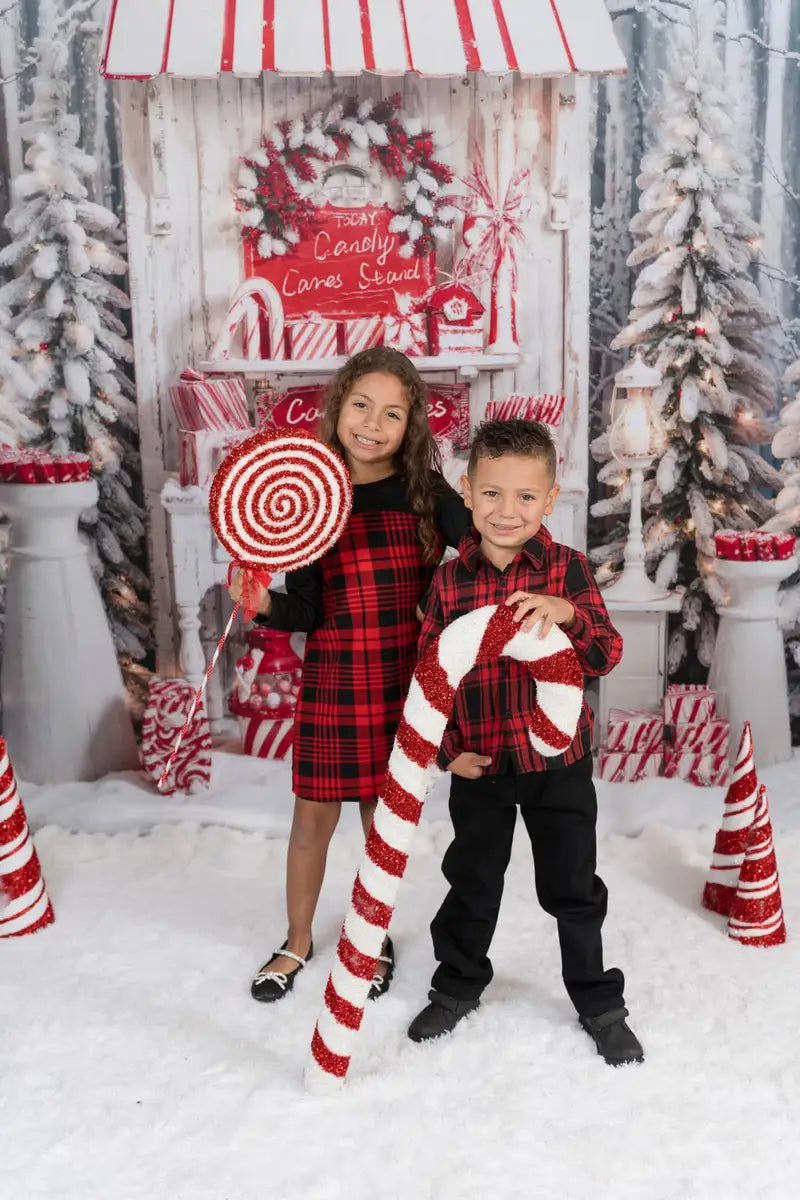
(469,766)
(550,610)
(236,588)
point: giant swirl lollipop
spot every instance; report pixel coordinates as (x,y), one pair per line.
(278,502)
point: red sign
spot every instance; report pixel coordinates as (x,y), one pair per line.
(448,411)
(351,267)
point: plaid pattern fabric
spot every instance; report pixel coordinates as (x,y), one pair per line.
(493,699)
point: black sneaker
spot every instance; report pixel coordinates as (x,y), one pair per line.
(614,1038)
(381,983)
(269,986)
(439,1017)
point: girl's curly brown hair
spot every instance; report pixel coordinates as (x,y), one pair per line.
(418,459)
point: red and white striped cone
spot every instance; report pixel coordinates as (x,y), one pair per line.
(731,840)
(480,636)
(27,906)
(756,916)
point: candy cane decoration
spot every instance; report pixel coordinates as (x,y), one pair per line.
(255,301)
(479,637)
(278,502)
(28,906)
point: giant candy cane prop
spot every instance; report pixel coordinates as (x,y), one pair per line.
(480,636)
(254,301)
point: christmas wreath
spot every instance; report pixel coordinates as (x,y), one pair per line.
(280,184)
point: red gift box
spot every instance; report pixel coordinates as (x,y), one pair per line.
(784,544)
(634,729)
(728,545)
(702,737)
(203,450)
(703,770)
(455,320)
(315,337)
(688,703)
(629,766)
(209,402)
(361,333)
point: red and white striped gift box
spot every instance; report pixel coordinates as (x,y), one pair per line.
(547,408)
(362,333)
(634,729)
(264,738)
(703,770)
(702,737)
(688,703)
(407,332)
(629,766)
(209,402)
(202,451)
(315,337)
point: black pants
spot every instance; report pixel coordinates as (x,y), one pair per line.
(559,808)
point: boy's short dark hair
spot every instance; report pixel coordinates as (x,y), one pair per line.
(528,439)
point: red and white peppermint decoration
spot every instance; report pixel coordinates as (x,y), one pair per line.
(730,843)
(478,637)
(24,903)
(756,916)
(168,702)
(280,500)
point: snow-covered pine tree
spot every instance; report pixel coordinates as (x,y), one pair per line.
(786,446)
(71,341)
(696,315)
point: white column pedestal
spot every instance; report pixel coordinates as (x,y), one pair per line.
(749,669)
(640,680)
(65,715)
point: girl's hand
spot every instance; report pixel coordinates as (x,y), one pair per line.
(469,766)
(235,588)
(550,610)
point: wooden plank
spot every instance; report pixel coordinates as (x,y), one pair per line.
(437,47)
(538,45)
(590,37)
(299,37)
(195,45)
(138,37)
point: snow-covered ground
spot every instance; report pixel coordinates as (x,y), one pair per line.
(135,1063)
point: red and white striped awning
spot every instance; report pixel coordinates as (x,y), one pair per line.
(204,38)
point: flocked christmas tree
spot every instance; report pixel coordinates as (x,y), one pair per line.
(69,338)
(696,316)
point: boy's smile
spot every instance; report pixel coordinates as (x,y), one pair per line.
(509,495)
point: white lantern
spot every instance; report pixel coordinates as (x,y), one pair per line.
(635,437)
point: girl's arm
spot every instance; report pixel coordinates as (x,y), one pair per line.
(299,609)
(453,518)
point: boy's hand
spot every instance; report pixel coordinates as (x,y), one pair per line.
(469,766)
(235,587)
(550,610)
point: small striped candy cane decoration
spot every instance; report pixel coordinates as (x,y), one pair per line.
(27,906)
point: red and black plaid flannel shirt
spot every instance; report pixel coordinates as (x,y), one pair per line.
(494,699)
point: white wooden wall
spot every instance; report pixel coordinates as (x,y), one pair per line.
(181,142)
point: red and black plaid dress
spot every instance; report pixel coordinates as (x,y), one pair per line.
(358,605)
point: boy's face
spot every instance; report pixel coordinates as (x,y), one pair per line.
(508,496)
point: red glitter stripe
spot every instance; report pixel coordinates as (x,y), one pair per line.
(228,35)
(400,802)
(366,35)
(5,853)
(358,964)
(373,911)
(112,18)
(508,45)
(268,37)
(334,1064)
(409,56)
(557,16)
(392,861)
(740,789)
(346,1014)
(719,898)
(326,34)
(414,745)
(168,37)
(561,667)
(432,678)
(501,629)
(36,900)
(543,728)
(473,59)
(13,826)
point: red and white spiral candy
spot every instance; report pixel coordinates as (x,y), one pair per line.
(480,636)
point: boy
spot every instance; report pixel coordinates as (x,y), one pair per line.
(509,558)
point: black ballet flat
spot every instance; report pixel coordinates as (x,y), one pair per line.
(381,983)
(268,986)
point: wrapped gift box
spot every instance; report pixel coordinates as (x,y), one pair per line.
(209,402)
(315,337)
(407,332)
(547,408)
(688,703)
(361,333)
(203,450)
(702,737)
(703,770)
(629,766)
(455,320)
(634,729)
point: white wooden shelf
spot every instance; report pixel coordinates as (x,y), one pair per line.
(467,365)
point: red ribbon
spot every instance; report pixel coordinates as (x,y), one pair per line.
(255,581)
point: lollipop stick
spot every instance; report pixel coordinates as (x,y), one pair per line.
(198,696)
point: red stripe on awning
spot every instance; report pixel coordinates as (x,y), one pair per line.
(560,25)
(228,36)
(168,37)
(406,39)
(268,39)
(366,35)
(468,36)
(326,34)
(508,45)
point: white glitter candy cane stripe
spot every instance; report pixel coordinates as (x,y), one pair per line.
(480,636)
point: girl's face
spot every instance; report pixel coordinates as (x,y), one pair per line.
(372,423)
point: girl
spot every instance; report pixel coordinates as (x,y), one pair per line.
(358,606)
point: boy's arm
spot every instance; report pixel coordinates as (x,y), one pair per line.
(595,640)
(433,623)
